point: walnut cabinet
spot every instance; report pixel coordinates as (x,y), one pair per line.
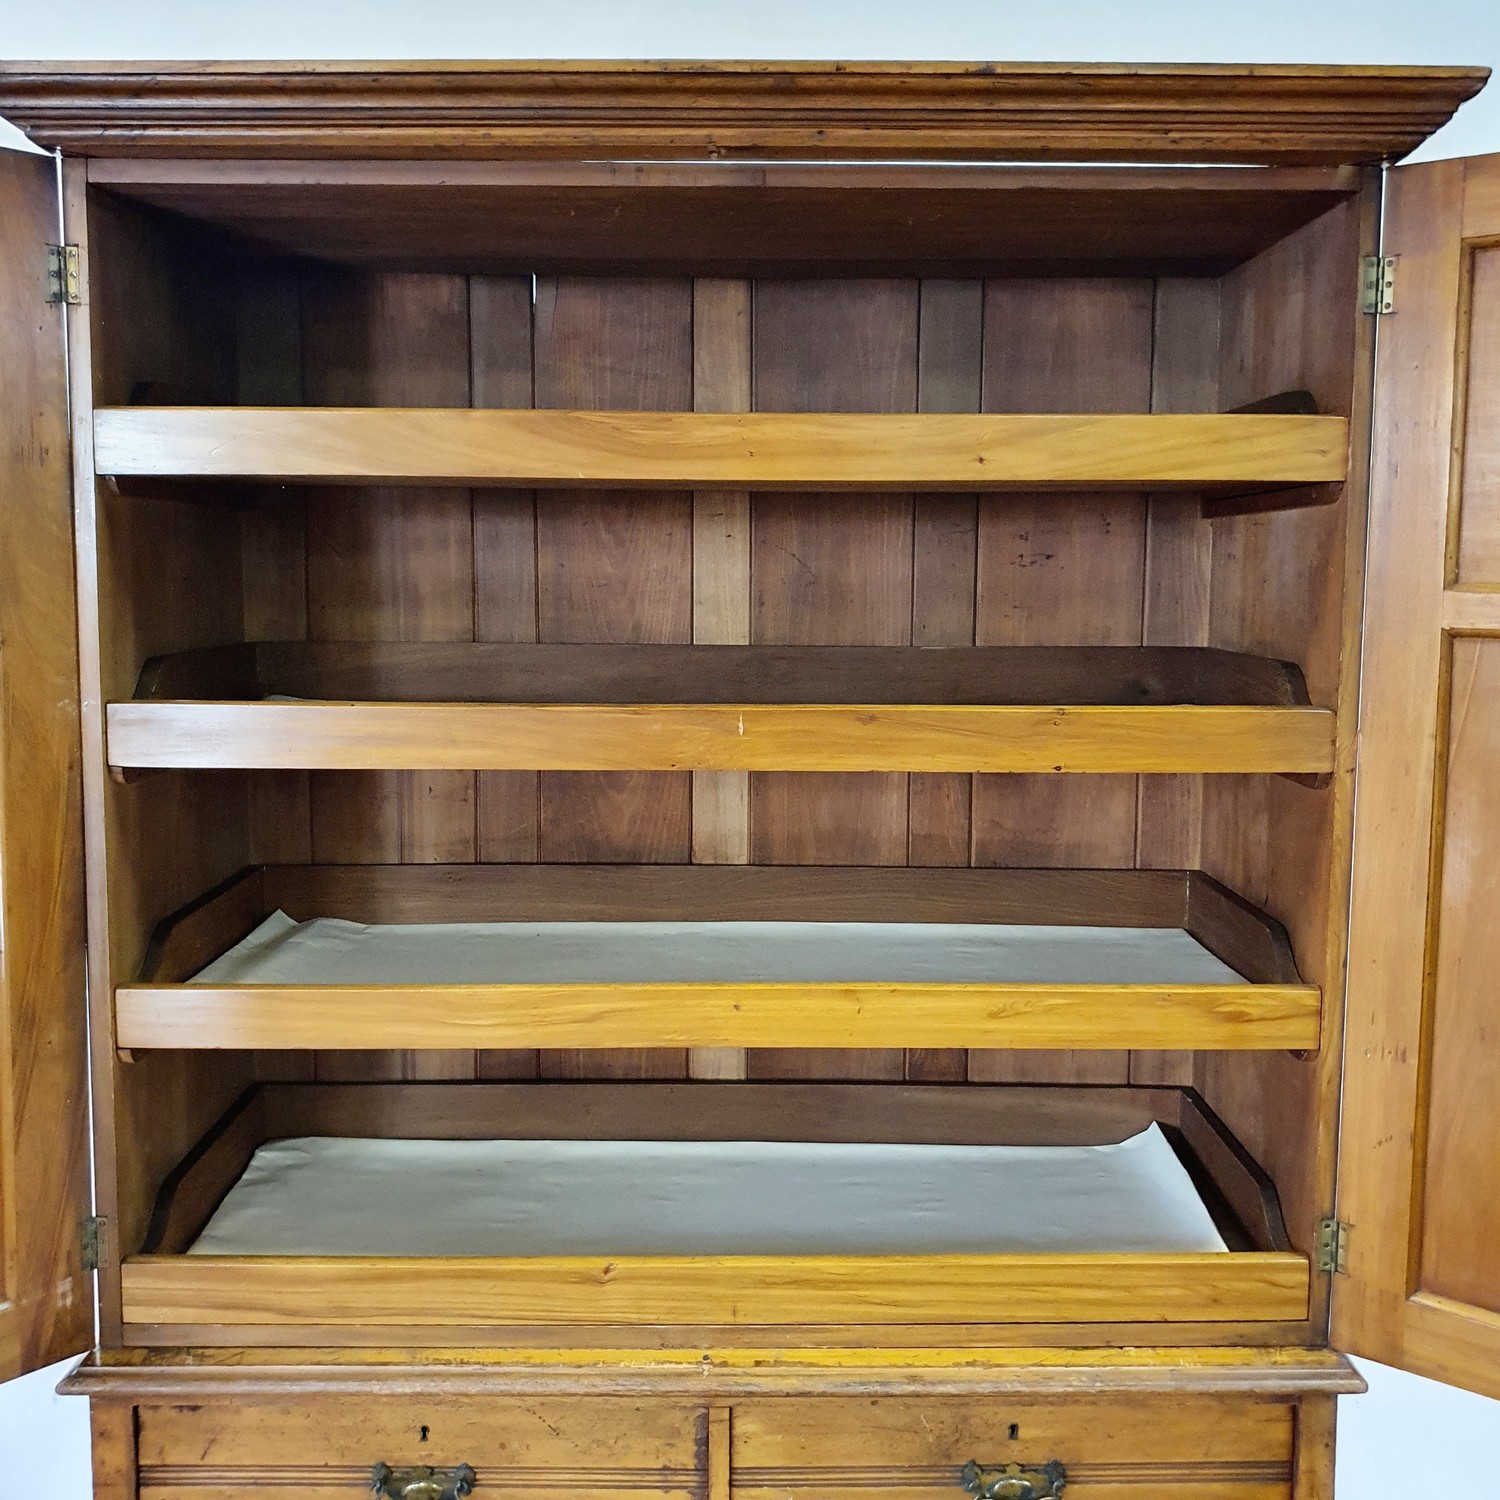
(583,642)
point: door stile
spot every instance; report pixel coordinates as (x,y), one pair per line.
(102,1054)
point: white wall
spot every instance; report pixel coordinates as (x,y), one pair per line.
(1405,1426)
(44,1437)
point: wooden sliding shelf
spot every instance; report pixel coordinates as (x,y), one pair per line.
(1259,1280)
(347,1292)
(1270,1006)
(1229,453)
(467,706)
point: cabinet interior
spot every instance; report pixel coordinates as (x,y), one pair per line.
(711,289)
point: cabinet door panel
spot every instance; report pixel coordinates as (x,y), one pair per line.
(1459,1225)
(1421,1133)
(1479,477)
(46,1299)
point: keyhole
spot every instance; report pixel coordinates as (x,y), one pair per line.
(1012,1433)
(422,1434)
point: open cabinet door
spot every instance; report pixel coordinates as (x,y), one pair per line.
(1419,1155)
(46,1297)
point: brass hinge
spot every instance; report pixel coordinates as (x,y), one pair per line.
(91,1240)
(62,274)
(1377,284)
(1333,1247)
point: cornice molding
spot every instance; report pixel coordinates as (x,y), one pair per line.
(1260,115)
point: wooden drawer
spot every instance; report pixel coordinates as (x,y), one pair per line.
(556,1449)
(1156,1447)
(1164,1448)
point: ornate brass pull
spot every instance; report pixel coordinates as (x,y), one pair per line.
(421,1482)
(1014,1481)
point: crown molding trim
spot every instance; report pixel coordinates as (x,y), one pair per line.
(622,111)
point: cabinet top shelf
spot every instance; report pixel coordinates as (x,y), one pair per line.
(1215,453)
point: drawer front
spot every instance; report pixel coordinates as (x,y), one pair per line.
(771,1448)
(1165,1448)
(554,1449)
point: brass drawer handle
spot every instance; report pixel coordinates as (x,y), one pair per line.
(1014,1481)
(421,1482)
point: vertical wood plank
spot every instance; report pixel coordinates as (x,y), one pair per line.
(273,538)
(1312,1462)
(832,570)
(112,1432)
(721,551)
(945,547)
(718,1479)
(721,590)
(615,567)
(504,543)
(1184,378)
(390,565)
(500,374)
(273,567)
(1060,570)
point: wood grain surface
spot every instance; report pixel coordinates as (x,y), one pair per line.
(725,220)
(1420,1116)
(729,1014)
(630,111)
(719,1290)
(45,1295)
(717,737)
(763,450)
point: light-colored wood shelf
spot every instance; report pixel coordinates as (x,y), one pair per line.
(718,1291)
(719,708)
(1272,1008)
(1214,1017)
(717,737)
(1230,453)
